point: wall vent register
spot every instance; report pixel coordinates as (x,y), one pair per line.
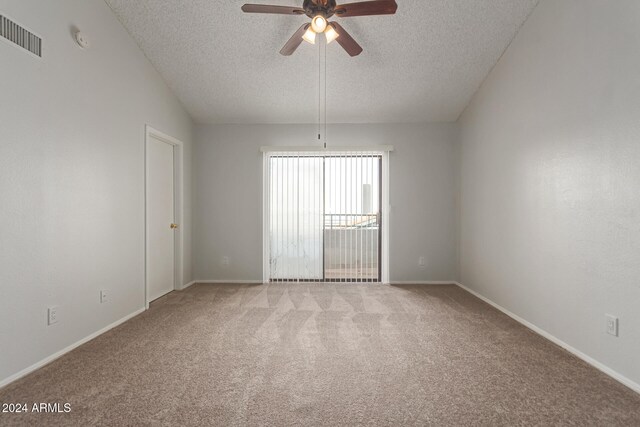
(20,36)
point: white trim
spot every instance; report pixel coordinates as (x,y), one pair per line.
(591,361)
(230,282)
(66,350)
(360,149)
(251,282)
(385,209)
(193,282)
(266,219)
(424,282)
(178,183)
(393,282)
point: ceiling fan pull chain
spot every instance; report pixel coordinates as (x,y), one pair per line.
(319,88)
(325,96)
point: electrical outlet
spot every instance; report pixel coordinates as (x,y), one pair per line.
(104,296)
(52,315)
(612,325)
(226,260)
(422,261)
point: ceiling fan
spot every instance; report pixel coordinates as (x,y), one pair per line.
(320,11)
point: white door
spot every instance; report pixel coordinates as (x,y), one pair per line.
(160,219)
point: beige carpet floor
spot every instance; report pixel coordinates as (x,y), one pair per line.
(322,354)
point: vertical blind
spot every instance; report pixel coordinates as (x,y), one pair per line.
(324,216)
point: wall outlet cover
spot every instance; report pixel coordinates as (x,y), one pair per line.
(612,325)
(52,315)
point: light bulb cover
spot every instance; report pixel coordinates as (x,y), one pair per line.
(319,24)
(331,34)
(310,36)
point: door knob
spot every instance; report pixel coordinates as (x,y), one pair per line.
(173,226)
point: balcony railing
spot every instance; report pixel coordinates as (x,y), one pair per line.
(348,250)
(351,249)
(350,221)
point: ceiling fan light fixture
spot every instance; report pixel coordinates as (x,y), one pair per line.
(319,24)
(320,11)
(331,34)
(309,36)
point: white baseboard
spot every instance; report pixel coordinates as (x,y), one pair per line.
(188,284)
(66,350)
(591,361)
(231,282)
(411,282)
(425,282)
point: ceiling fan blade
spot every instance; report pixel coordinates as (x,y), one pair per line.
(346,41)
(364,8)
(264,8)
(294,41)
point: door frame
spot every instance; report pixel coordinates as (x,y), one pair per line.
(178,205)
(385,208)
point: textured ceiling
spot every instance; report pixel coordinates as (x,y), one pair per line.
(421,65)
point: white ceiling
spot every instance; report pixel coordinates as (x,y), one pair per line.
(421,65)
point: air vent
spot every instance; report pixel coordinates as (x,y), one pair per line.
(18,35)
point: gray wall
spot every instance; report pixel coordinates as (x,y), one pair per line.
(228,198)
(72,177)
(550,223)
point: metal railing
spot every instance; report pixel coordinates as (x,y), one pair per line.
(351,221)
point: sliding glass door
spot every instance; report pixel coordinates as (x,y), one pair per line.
(324,217)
